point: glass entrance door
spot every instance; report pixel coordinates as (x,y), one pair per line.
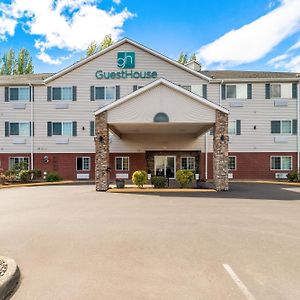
(165,166)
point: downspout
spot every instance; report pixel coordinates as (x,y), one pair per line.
(298,126)
(222,82)
(31,126)
(205,170)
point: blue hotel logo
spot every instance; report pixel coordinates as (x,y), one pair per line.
(126,60)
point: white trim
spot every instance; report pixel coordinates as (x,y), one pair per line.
(165,165)
(281,163)
(188,157)
(122,163)
(18,87)
(9,166)
(82,157)
(235,164)
(117,44)
(168,84)
(105,87)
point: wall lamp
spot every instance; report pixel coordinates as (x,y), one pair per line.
(100,139)
(222,138)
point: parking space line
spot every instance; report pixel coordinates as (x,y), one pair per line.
(238,282)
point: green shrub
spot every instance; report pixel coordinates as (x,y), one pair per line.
(184,177)
(2,178)
(24,175)
(159,181)
(293,176)
(53,177)
(139,178)
(36,174)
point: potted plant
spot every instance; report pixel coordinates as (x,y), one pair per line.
(120,183)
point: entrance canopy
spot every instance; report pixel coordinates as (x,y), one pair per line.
(161,107)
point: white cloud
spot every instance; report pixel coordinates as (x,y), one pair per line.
(63,24)
(46,58)
(117,1)
(7,27)
(254,40)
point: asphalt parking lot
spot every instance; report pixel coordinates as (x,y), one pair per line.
(73,243)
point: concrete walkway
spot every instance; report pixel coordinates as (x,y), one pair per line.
(72,243)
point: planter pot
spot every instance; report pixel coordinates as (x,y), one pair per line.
(120,183)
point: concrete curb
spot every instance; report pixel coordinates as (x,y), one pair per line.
(267,182)
(153,190)
(10,279)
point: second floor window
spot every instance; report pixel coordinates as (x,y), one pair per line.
(275,91)
(62,93)
(234,127)
(105,93)
(62,128)
(19,128)
(19,94)
(284,126)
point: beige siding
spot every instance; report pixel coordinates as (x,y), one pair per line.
(179,108)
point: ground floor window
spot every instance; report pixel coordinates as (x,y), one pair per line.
(17,162)
(281,163)
(83,163)
(232,163)
(122,163)
(188,163)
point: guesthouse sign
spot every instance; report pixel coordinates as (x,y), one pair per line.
(126,62)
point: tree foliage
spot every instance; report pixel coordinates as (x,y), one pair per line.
(93,47)
(183,58)
(22,64)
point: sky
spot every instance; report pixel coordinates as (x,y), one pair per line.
(224,34)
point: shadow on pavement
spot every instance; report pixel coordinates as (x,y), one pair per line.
(245,190)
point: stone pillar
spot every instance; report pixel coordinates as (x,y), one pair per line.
(220,155)
(102,152)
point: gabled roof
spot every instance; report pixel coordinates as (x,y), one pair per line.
(168,84)
(117,44)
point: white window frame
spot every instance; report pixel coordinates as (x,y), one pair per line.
(227,85)
(281,133)
(188,158)
(235,163)
(62,128)
(19,122)
(105,87)
(281,156)
(19,87)
(275,97)
(61,93)
(20,158)
(235,127)
(83,157)
(122,157)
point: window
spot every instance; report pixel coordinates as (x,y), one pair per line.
(187,87)
(19,94)
(188,163)
(62,93)
(275,91)
(83,163)
(105,93)
(232,163)
(19,128)
(122,163)
(282,127)
(230,91)
(62,128)
(15,161)
(283,163)
(232,128)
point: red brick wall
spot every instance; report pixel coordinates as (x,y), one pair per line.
(249,165)
(137,161)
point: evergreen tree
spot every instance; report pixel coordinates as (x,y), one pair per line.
(183,58)
(107,41)
(193,57)
(92,48)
